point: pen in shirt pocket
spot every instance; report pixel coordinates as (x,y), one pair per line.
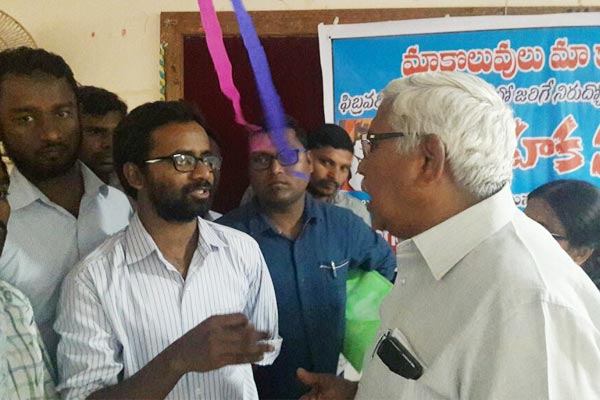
(333,267)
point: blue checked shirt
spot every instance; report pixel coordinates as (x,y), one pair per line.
(25,369)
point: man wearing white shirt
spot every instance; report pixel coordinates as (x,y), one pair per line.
(486,304)
(60,210)
(174,305)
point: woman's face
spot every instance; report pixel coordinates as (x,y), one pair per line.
(538,210)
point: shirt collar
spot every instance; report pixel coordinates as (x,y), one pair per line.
(92,184)
(441,246)
(259,222)
(139,244)
(22,192)
(209,236)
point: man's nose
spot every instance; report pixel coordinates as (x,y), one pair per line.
(202,172)
(49,130)
(276,167)
(338,175)
(107,141)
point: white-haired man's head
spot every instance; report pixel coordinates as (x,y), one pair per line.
(475,125)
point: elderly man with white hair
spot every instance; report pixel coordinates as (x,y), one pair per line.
(486,305)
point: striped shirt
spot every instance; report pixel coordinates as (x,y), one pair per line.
(125,303)
(25,370)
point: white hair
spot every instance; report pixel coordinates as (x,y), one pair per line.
(474,123)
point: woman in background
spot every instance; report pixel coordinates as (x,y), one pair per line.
(570,210)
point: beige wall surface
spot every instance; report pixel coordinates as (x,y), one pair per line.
(115,43)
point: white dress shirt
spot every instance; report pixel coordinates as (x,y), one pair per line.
(45,241)
(494,309)
(125,303)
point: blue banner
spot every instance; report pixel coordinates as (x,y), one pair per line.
(550,75)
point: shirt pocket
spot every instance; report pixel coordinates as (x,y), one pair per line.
(334,272)
(400,337)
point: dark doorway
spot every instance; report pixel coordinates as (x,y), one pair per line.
(296,71)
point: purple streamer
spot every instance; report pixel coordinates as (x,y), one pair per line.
(269,99)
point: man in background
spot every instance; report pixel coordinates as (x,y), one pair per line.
(332,152)
(310,247)
(100,112)
(61,210)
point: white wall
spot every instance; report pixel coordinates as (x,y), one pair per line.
(115,43)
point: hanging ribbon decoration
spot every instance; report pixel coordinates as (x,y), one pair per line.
(269,99)
(161,70)
(221,62)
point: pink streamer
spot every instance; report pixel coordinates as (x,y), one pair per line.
(221,62)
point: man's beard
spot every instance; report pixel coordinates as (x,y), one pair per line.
(38,171)
(323,188)
(182,208)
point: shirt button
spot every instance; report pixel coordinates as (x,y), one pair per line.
(402,281)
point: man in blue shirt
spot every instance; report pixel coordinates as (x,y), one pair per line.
(309,247)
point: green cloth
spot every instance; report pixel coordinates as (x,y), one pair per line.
(365,291)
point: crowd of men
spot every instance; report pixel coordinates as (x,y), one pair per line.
(117,280)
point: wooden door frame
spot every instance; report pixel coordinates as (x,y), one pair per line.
(175,26)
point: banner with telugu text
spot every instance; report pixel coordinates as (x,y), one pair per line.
(547,67)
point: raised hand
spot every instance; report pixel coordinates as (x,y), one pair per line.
(219,341)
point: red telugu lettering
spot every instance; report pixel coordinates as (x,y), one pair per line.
(530,159)
(569,147)
(595,165)
(559,144)
(596,141)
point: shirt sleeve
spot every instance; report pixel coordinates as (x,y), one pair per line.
(262,306)
(542,350)
(369,250)
(89,355)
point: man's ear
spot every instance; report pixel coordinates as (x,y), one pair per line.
(309,161)
(580,254)
(434,151)
(133,175)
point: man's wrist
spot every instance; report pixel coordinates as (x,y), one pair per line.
(175,360)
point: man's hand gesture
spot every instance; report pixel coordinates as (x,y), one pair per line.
(219,341)
(326,386)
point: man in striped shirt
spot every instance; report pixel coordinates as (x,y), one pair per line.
(174,306)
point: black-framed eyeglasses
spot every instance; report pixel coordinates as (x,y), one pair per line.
(188,162)
(287,157)
(367,140)
(558,237)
